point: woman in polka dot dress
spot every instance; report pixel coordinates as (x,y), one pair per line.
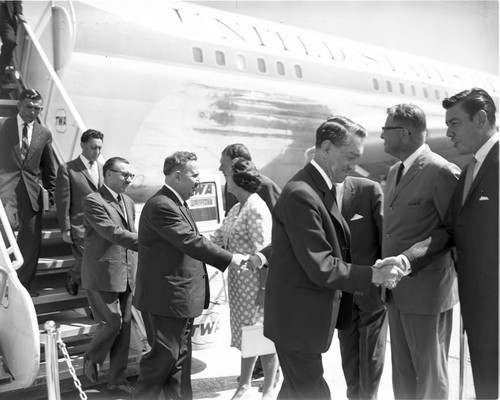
(246,230)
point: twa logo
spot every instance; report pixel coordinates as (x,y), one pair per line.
(206,329)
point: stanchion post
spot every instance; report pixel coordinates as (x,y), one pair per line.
(51,361)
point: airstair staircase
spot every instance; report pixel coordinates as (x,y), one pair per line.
(71,313)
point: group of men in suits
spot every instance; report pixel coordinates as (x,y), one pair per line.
(328,233)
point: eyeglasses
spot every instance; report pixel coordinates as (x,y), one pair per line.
(126,175)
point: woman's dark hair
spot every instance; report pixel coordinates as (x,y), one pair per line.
(245,175)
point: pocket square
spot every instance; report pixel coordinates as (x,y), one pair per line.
(355,217)
(483,198)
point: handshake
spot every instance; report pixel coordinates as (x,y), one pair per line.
(389,271)
(242,262)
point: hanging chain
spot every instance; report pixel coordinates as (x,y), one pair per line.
(76,381)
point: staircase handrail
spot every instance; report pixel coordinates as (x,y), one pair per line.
(8,243)
(57,83)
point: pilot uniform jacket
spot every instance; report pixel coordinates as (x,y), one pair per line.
(172,278)
(412,209)
(108,263)
(473,229)
(309,266)
(72,186)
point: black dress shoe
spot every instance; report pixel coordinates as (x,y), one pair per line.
(71,285)
(121,390)
(90,369)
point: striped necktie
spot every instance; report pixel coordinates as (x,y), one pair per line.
(25,144)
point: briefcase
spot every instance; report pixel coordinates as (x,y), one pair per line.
(254,343)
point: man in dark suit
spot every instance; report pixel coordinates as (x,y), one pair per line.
(9,11)
(75,180)
(26,161)
(269,191)
(417,197)
(472,226)
(108,272)
(310,263)
(363,341)
(172,281)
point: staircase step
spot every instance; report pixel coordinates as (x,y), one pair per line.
(73,327)
(51,265)
(11,390)
(52,244)
(57,299)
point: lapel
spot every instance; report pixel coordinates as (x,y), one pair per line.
(489,162)
(348,198)
(106,194)
(36,140)
(85,172)
(12,132)
(182,210)
(328,199)
(393,190)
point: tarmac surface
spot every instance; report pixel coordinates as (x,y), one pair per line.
(217,366)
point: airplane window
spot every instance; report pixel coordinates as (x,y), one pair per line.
(280,67)
(436,92)
(389,86)
(402,88)
(426,94)
(375,84)
(220,58)
(298,71)
(413,90)
(241,62)
(198,54)
(261,65)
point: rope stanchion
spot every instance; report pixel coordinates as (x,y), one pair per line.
(51,361)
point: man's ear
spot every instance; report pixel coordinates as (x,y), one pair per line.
(480,118)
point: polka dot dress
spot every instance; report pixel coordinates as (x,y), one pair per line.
(244,231)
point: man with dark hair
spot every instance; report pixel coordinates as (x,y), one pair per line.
(108,273)
(172,281)
(269,191)
(26,161)
(310,263)
(75,180)
(418,193)
(10,11)
(472,226)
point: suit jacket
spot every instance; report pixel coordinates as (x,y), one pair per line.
(473,229)
(362,209)
(412,209)
(38,167)
(172,278)
(108,262)
(269,192)
(73,184)
(309,266)
(12,8)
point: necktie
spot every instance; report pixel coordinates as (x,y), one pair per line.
(469,178)
(25,144)
(334,192)
(400,173)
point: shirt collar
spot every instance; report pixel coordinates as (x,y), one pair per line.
(85,161)
(175,192)
(485,148)
(115,195)
(21,122)
(412,157)
(323,174)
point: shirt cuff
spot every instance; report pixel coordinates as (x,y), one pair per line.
(263,259)
(407,264)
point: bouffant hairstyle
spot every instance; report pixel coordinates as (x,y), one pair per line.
(245,175)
